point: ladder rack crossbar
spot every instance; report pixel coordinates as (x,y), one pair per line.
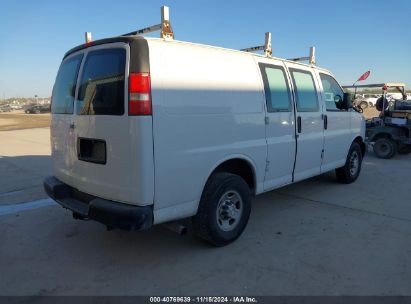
(266,47)
(299,59)
(254,49)
(310,58)
(164,27)
(145,30)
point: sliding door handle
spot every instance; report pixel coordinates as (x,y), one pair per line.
(299,124)
(325,122)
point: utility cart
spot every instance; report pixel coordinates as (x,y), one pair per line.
(391,131)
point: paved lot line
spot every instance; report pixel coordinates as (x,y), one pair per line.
(15,208)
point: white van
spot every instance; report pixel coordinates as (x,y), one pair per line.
(147,131)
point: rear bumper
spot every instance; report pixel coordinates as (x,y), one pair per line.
(112,214)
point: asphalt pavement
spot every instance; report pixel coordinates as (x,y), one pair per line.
(316,237)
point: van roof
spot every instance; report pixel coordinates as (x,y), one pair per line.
(128,39)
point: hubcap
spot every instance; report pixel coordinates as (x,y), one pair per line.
(354,163)
(229,210)
(384,148)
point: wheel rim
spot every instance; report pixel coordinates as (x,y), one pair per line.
(229,210)
(383,148)
(354,163)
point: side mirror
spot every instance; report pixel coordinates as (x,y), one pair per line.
(345,102)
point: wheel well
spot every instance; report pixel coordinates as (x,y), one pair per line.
(362,144)
(241,168)
(381,135)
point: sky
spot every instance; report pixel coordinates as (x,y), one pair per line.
(350,36)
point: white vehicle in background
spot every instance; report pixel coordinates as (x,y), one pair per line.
(366,100)
(148,131)
(16,107)
(394,96)
(371,99)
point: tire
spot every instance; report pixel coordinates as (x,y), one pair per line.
(380,102)
(385,148)
(349,173)
(363,105)
(224,209)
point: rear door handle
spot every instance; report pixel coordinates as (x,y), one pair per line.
(72,125)
(299,124)
(325,122)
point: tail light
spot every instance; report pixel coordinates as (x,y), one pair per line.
(139,99)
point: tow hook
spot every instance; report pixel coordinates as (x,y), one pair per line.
(78,216)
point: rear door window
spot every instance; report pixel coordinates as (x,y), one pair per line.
(65,86)
(101,89)
(276,88)
(305,91)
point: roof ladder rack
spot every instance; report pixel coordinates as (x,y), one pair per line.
(164,27)
(87,36)
(266,47)
(311,58)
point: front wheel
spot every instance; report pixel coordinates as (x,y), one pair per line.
(224,209)
(351,170)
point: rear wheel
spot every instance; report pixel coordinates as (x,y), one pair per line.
(385,148)
(352,168)
(224,209)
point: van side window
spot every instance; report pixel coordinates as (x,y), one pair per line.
(65,86)
(101,89)
(331,89)
(305,91)
(277,91)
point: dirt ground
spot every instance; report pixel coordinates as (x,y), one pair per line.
(17,120)
(370,113)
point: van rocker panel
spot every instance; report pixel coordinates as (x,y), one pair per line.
(109,213)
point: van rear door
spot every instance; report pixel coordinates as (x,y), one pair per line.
(103,159)
(62,121)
